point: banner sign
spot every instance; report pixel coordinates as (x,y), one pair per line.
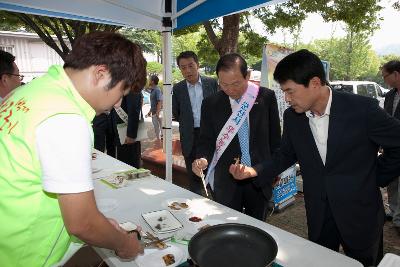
(286,188)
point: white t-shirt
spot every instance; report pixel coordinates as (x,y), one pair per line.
(64,147)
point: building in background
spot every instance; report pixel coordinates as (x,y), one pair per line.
(32,56)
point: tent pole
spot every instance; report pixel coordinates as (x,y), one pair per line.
(167,102)
(167,96)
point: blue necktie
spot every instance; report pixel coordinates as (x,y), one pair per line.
(243,134)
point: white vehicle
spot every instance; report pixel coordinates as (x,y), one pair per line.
(365,88)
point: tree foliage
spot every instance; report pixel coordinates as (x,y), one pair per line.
(364,61)
(149,40)
(186,42)
(57,33)
(287,15)
(359,16)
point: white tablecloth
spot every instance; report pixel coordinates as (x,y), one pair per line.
(390,260)
(150,194)
(104,165)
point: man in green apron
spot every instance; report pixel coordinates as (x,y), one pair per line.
(46,141)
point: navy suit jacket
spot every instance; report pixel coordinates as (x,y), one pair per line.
(265,135)
(388,105)
(350,179)
(182,110)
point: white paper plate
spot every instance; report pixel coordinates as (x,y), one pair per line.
(162,221)
(168,202)
(106,204)
(153,257)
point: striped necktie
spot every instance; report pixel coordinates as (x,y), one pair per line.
(244,138)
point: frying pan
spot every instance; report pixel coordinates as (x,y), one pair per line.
(233,245)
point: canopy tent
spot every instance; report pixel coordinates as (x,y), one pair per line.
(161,15)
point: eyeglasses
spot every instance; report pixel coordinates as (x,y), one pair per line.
(21,77)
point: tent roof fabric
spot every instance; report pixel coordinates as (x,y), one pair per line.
(143,14)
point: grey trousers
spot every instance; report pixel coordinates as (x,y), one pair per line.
(393,191)
(157,125)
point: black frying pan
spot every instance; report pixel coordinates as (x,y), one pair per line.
(233,245)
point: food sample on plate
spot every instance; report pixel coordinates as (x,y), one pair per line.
(169,259)
(161,245)
(94,155)
(195,219)
(161,219)
(178,205)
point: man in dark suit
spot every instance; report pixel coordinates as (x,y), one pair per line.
(186,109)
(264,134)
(391,76)
(129,150)
(104,134)
(335,137)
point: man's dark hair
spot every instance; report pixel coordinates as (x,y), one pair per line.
(6,62)
(300,67)
(228,62)
(187,54)
(392,66)
(123,58)
(155,79)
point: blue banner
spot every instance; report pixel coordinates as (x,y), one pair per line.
(286,187)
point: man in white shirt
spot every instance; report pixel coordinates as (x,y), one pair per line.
(186,108)
(46,142)
(9,74)
(335,137)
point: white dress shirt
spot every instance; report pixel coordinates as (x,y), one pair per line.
(319,126)
(196,98)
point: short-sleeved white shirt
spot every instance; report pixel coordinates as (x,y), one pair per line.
(64,145)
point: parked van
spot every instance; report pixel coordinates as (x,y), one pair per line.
(365,88)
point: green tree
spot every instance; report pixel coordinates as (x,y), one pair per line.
(149,40)
(154,68)
(285,16)
(224,35)
(186,42)
(364,63)
(360,16)
(57,33)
